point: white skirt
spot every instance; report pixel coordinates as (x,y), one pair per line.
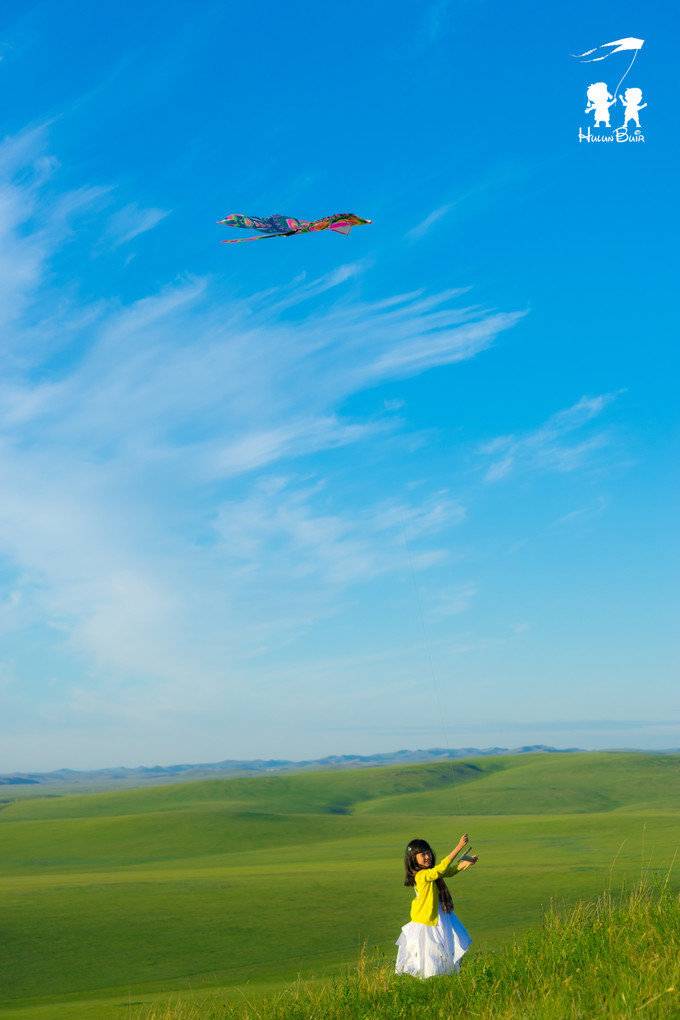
(425,950)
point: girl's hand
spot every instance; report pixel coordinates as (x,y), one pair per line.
(466,862)
(463,841)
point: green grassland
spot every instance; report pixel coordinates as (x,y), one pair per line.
(226,887)
(611,958)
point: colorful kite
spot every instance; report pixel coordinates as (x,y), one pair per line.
(286,226)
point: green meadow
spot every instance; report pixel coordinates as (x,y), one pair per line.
(230,889)
(611,958)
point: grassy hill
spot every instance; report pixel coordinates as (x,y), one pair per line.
(613,958)
(111,898)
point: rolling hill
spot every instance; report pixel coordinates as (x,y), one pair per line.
(126,896)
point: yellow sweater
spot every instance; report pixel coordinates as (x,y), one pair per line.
(425,906)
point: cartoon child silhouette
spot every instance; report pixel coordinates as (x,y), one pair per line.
(631,99)
(598,100)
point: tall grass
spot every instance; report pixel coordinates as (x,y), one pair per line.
(614,957)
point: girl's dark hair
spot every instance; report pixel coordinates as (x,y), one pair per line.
(411,866)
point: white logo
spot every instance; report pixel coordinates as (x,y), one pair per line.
(603,105)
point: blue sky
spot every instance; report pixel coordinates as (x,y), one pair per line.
(413,487)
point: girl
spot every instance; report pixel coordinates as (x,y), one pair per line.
(434,940)
(598,102)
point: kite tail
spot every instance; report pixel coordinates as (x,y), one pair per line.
(257,237)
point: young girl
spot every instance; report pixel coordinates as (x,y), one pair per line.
(599,98)
(434,940)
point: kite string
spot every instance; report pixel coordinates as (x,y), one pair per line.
(426,642)
(616,90)
(455,793)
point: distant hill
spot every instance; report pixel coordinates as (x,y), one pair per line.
(148,774)
(68,780)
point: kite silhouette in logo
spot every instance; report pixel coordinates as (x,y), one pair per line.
(287,226)
(599,98)
(593,56)
(631,100)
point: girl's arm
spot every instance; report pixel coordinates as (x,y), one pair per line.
(432,874)
(462,843)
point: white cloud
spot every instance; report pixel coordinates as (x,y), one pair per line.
(422,228)
(581,514)
(442,348)
(300,292)
(257,449)
(131,221)
(551,446)
(454,602)
(279,524)
(142,513)
(496,182)
(427,517)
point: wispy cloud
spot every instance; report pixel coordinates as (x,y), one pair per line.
(144,522)
(429,221)
(442,348)
(496,182)
(131,221)
(557,445)
(260,448)
(436,16)
(431,28)
(582,514)
(455,601)
(280,522)
(300,291)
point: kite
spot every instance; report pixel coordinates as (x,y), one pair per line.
(286,226)
(607,49)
